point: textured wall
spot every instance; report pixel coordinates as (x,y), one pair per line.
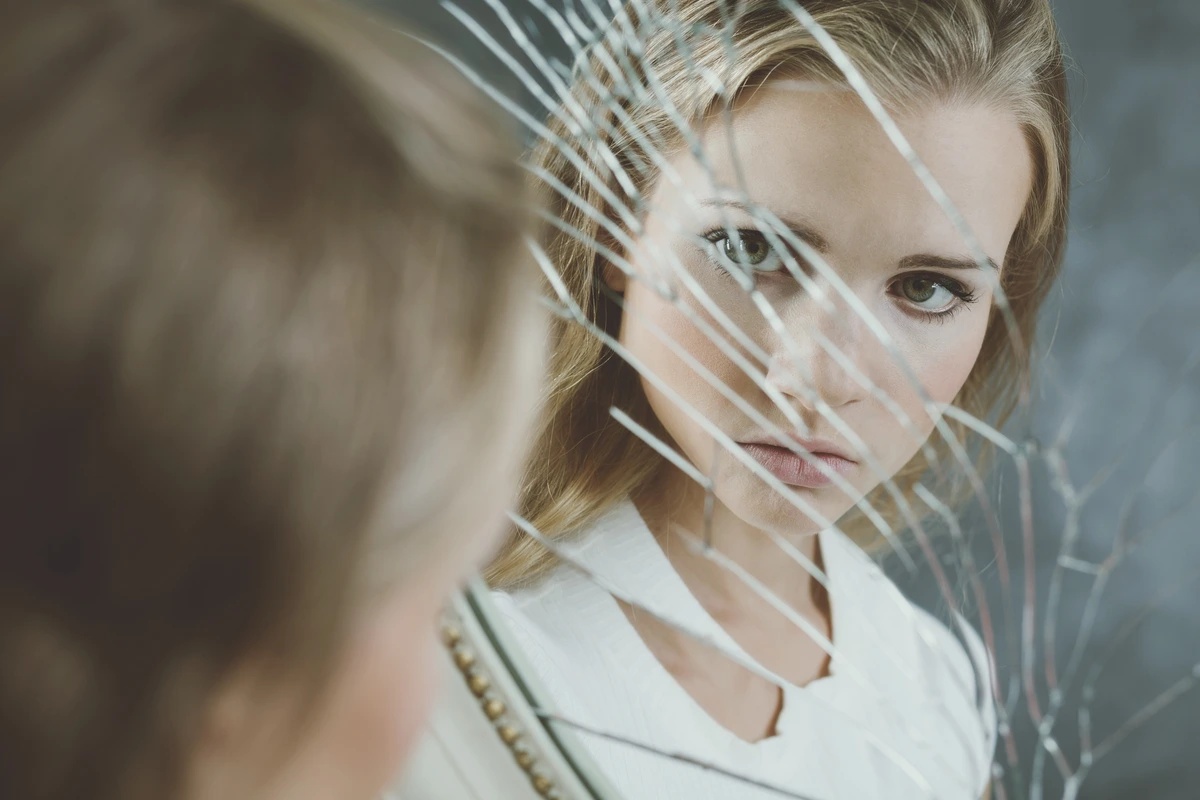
(1121,337)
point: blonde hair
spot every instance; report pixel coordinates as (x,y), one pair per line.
(258,264)
(1002,52)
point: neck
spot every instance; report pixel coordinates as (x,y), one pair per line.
(675,511)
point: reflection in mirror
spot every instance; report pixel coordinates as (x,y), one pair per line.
(766,313)
(797,254)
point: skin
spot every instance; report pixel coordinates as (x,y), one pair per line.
(814,156)
(386,681)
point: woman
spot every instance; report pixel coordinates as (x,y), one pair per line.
(267,336)
(760,286)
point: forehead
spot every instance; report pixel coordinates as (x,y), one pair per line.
(815,152)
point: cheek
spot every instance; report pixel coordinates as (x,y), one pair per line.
(942,382)
(648,327)
(942,366)
(381,697)
(400,681)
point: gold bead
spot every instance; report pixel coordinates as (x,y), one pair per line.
(493,708)
(451,635)
(509,734)
(542,784)
(524,760)
(478,684)
(464,659)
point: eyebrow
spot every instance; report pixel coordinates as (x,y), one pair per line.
(942,262)
(802,230)
(807,233)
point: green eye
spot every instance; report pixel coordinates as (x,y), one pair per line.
(748,249)
(919,288)
(744,251)
(931,295)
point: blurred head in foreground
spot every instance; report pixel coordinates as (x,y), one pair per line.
(267,353)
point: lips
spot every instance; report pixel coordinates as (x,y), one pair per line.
(793,470)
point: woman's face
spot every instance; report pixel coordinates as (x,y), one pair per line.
(818,162)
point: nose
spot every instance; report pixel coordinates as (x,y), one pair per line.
(815,360)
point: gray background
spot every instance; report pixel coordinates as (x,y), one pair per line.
(1120,340)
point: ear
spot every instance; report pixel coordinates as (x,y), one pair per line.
(228,716)
(221,760)
(614,278)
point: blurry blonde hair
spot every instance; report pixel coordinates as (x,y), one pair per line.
(1000,52)
(259,263)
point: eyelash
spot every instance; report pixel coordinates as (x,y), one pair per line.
(965,295)
(718,234)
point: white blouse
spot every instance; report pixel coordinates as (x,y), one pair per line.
(901,715)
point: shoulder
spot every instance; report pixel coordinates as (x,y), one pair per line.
(558,622)
(540,611)
(937,674)
(960,652)
(957,666)
(948,659)
(560,598)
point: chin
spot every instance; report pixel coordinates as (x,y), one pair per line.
(753,502)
